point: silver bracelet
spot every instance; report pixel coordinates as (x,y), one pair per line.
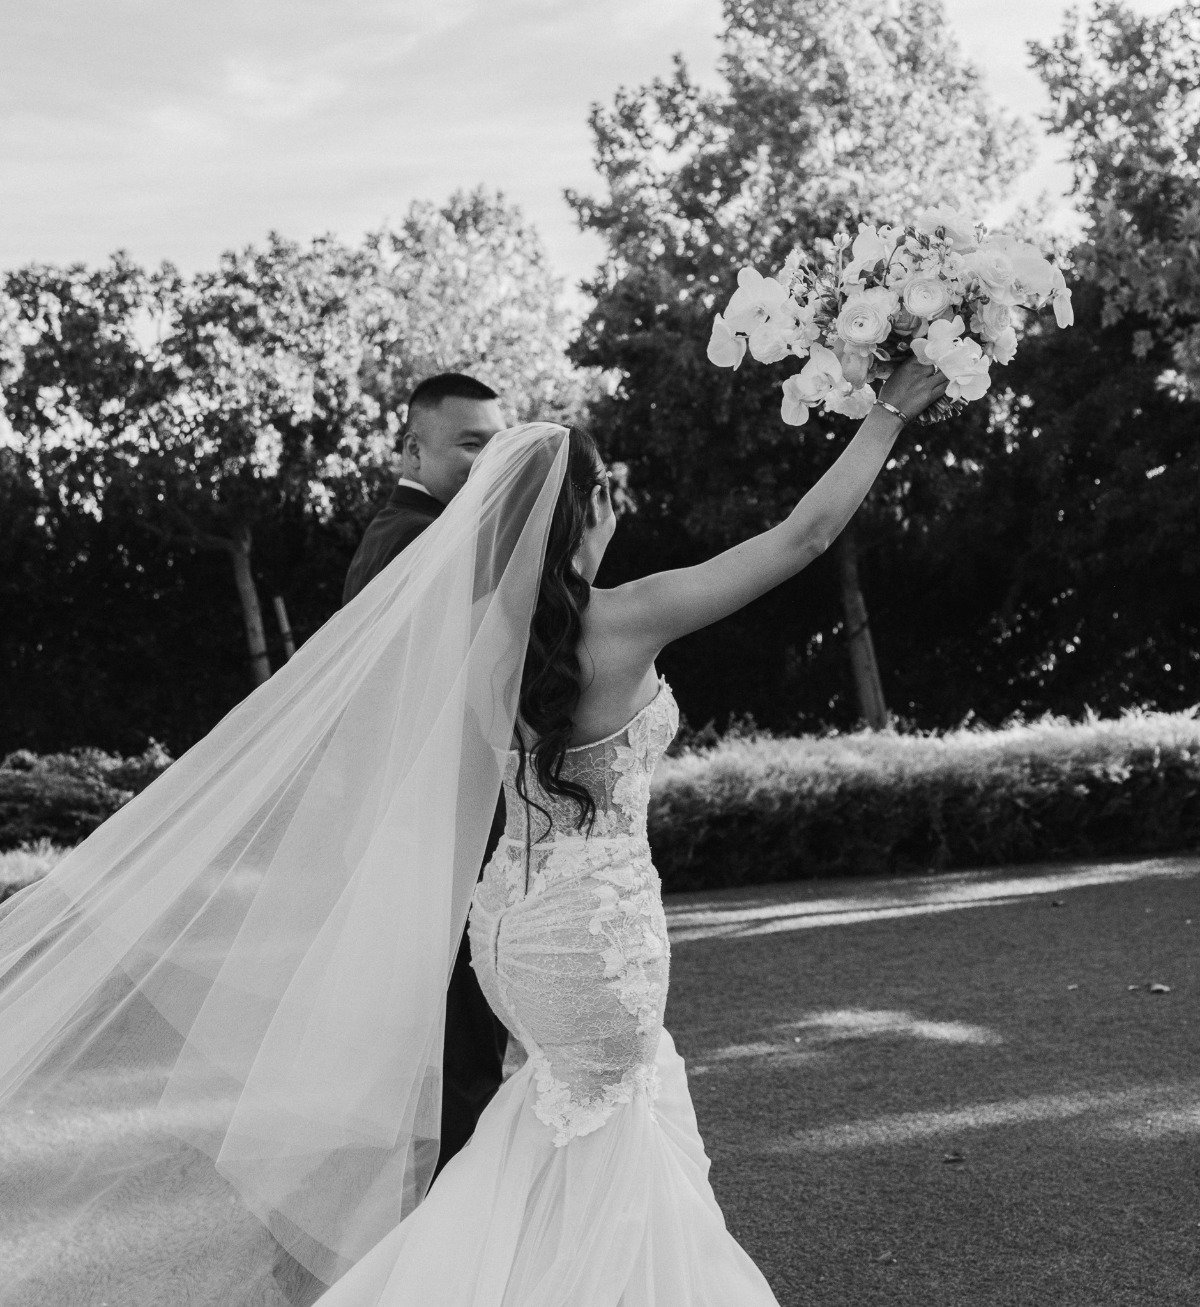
(891,408)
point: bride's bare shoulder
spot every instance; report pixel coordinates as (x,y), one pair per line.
(613,647)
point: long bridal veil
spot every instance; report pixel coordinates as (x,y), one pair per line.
(233,991)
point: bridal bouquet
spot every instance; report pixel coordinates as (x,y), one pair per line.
(941,288)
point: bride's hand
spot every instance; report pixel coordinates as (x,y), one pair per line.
(913,387)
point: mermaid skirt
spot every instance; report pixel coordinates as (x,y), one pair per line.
(586,1182)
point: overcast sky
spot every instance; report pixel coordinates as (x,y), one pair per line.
(179,128)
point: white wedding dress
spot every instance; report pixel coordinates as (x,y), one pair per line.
(586,1182)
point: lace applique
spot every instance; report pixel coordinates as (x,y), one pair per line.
(616,771)
(636,937)
(571,1117)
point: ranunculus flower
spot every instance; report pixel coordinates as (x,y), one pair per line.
(856,363)
(866,317)
(1004,348)
(926,297)
(725,348)
(942,336)
(857,404)
(990,319)
(958,229)
(993,266)
(905,323)
(967,367)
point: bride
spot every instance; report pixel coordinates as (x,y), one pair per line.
(221,1015)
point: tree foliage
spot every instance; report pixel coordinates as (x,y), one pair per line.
(1125,93)
(208,409)
(828,114)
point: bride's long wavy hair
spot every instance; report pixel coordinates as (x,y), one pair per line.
(552,683)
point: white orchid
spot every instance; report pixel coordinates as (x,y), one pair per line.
(938,340)
(754,301)
(870,246)
(816,381)
(958,229)
(855,404)
(725,347)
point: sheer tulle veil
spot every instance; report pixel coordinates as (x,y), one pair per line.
(249,960)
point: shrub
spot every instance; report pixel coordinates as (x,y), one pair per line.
(63,797)
(755,810)
(22,866)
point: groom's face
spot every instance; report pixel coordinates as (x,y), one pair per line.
(445,440)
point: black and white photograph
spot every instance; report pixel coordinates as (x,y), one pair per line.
(600,653)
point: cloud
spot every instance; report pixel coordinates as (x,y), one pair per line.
(252,88)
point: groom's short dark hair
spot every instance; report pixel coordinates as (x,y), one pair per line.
(446,385)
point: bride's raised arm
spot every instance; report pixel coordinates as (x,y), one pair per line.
(653,611)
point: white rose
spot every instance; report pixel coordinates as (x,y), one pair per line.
(1004,348)
(990,319)
(993,268)
(926,297)
(958,229)
(768,344)
(866,318)
(967,367)
(725,347)
(857,404)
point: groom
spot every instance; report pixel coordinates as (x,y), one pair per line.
(450,419)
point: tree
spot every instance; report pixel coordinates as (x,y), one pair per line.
(1125,94)
(217,404)
(829,114)
(468,287)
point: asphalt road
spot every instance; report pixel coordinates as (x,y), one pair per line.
(953,1092)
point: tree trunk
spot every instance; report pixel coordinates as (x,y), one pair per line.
(285,628)
(256,636)
(867,685)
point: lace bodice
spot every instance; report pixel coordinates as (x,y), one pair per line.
(616,771)
(568,935)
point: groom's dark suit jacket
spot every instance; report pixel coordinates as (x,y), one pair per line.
(405,515)
(475,1039)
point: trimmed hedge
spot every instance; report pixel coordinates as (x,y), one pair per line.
(756,809)
(752,811)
